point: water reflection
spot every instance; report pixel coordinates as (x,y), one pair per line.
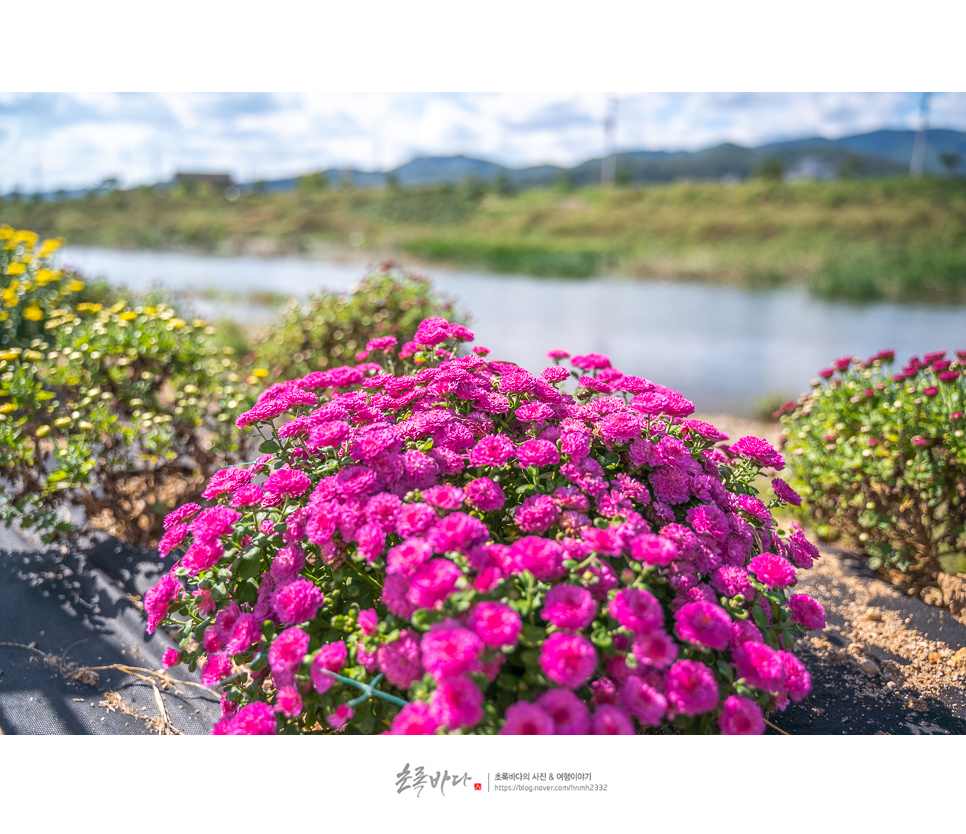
(722,347)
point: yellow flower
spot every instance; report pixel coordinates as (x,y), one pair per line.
(16,268)
(176,323)
(6,408)
(130,315)
(89,307)
(29,238)
(45,276)
(6,232)
(9,296)
(33,313)
(75,285)
(42,431)
(50,246)
(261,373)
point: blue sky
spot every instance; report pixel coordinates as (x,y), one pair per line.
(65,140)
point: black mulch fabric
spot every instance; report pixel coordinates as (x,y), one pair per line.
(74,609)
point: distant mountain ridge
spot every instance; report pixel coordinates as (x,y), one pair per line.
(879,153)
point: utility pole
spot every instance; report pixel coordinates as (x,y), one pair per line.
(608,165)
(918,162)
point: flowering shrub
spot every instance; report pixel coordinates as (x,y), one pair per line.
(880,457)
(434,542)
(123,410)
(331,329)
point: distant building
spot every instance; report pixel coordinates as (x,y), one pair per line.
(213,180)
(808,169)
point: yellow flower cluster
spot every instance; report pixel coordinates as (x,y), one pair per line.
(22,270)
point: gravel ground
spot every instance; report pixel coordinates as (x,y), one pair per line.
(887,663)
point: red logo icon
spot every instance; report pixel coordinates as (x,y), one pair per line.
(477,786)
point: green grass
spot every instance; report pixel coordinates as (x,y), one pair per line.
(861,240)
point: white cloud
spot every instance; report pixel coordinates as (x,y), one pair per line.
(80,138)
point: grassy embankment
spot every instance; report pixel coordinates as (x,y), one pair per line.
(861,240)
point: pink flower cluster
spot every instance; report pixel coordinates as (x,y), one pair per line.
(467,527)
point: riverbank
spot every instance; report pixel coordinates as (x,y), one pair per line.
(864,240)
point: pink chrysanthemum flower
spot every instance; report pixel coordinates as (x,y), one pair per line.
(569,606)
(644,702)
(180,515)
(257,719)
(570,715)
(330,658)
(690,687)
(525,719)
(159,598)
(457,703)
(760,665)
(536,514)
(414,719)
(433,582)
(444,496)
(655,648)
(496,624)
(288,701)
(458,531)
(484,494)
(703,624)
(542,557)
(637,610)
(172,538)
(568,659)
(798,682)
(807,611)
(774,571)
(400,660)
(286,481)
(741,717)
(340,717)
(298,601)
(171,657)
(653,550)
(491,450)
(286,654)
(591,361)
(537,453)
(611,720)
(450,651)
(785,493)
(216,668)
(760,451)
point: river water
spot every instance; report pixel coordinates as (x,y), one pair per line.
(722,347)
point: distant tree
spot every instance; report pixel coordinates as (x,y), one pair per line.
(950,161)
(15,196)
(622,175)
(259,186)
(850,167)
(473,188)
(36,198)
(316,181)
(392,182)
(564,181)
(60,195)
(501,185)
(772,169)
(345,183)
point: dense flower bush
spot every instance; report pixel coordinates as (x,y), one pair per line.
(330,329)
(880,457)
(434,542)
(125,411)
